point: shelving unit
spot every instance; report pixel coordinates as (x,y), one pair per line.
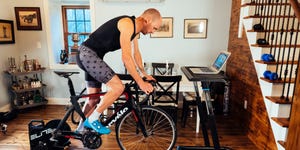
(26,89)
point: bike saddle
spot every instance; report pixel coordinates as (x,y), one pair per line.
(65,74)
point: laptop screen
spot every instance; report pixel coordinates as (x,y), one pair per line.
(220,61)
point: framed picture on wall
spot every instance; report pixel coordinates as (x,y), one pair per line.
(28,18)
(165,30)
(7,35)
(195,28)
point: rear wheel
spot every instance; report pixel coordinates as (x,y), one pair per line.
(159,126)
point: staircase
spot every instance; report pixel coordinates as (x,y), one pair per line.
(272,29)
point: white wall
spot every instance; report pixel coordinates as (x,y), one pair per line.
(6,50)
(177,49)
(25,42)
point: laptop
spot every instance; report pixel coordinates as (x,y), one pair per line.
(216,67)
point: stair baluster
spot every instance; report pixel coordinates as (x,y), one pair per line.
(268,20)
(293,59)
(256,13)
(285,48)
(277,28)
(286,67)
(280,42)
(259,26)
(273,30)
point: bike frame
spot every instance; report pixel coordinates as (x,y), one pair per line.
(127,107)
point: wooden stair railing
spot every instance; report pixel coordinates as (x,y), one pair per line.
(275,62)
(296,8)
(275,38)
(292,141)
(294,121)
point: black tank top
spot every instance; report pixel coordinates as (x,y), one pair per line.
(107,37)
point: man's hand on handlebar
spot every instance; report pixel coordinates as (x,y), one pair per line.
(148,78)
(147,85)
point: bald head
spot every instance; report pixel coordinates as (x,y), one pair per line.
(152,14)
(149,21)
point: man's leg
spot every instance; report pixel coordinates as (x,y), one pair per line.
(89,105)
(115,89)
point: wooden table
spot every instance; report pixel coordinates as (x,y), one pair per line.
(207,117)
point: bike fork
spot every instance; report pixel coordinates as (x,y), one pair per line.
(138,118)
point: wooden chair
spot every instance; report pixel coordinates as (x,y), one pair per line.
(160,68)
(167,94)
(188,101)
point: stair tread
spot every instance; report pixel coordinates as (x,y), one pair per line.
(276,62)
(287,80)
(258,16)
(277,46)
(282,143)
(279,100)
(284,122)
(258,4)
(272,30)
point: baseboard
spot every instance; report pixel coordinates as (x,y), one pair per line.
(58,101)
(51,101)
(5,108)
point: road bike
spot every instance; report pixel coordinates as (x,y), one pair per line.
(137,125)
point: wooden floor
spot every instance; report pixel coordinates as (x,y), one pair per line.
(16,137)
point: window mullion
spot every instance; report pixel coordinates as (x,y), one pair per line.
(71,24)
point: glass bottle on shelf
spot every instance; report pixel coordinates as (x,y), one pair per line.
(26,64)
(21,65)
(29,97)
(21,99)
(26,82)
(26,99)
(15,85)
(37,98)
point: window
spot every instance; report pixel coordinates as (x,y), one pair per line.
(76,19)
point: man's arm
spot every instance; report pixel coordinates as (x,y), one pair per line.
(139,61)
(138,57)
(126,29)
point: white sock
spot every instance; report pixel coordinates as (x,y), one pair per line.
(94,116)
(80,126)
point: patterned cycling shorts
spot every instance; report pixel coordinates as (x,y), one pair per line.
(96,70)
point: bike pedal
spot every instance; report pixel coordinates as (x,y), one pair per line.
(52,139)
(89,130)
(68,143)
(3,128)
(59,147)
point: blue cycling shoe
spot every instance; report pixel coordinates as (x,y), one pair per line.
(97,126)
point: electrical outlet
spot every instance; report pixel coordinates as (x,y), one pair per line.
(245,104)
